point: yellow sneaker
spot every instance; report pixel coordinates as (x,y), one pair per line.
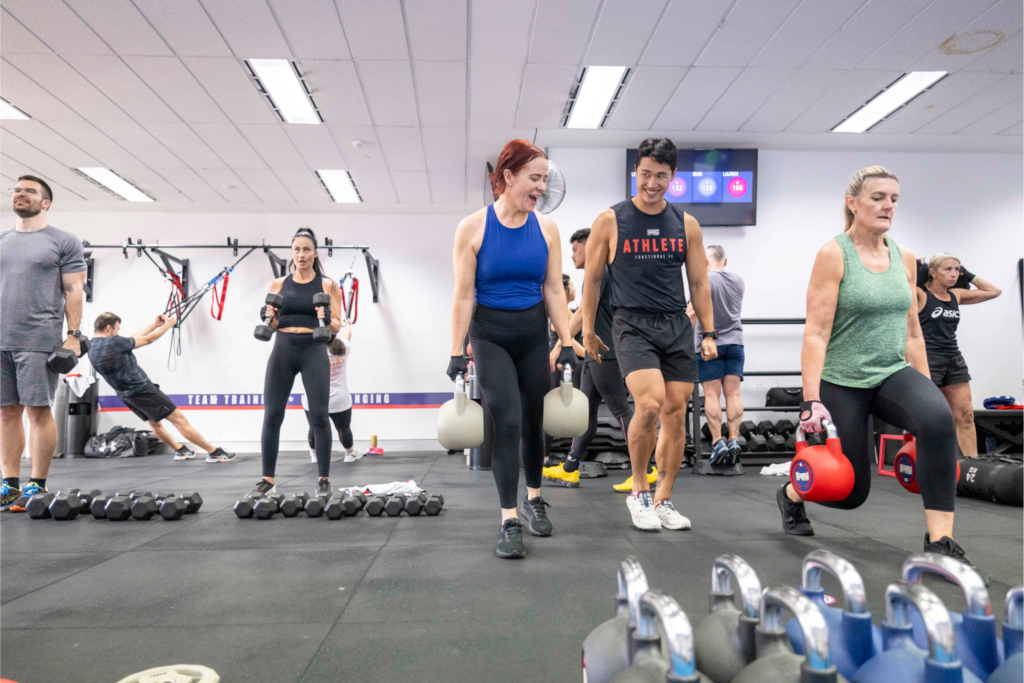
(558,475)
(627,486)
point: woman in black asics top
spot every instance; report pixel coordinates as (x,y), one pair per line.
(938,310)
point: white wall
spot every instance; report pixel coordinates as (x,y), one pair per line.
(971,205)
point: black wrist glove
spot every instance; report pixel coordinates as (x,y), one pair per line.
(456,366)
(567,357)
(922,274)
(965,279)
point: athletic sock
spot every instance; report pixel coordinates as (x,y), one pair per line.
(40,482)
(13,482)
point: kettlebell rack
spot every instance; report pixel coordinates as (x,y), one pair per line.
(701,463)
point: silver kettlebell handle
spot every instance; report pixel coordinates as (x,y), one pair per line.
(957,572)
(938,626)
(657,607)
(729,568)
(460,383)
(1015,607)
(632,586)
(855,599)
(808,616)
(830,430)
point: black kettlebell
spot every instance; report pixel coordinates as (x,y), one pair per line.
(724,640)
(649,663)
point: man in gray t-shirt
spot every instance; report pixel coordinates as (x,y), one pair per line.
(723,374)
(42,273)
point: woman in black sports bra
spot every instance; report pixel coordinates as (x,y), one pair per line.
(295,353)
(938,309)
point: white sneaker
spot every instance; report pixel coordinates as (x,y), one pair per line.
(670,517)
(351,455)
(641,508)
(312,455)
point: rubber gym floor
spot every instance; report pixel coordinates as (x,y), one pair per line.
(406,598)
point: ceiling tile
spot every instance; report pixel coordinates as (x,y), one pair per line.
(185,145)
(374,187)
(368,157)
(229,185)
(265,185)
(186,27)
(118,82)
(749,26)
(412,187)
(648,90)
(389,93)
(499,38)
(930,105)
(312,28)
(1007,90)
(809,27)
(864,33)
(121,26)
(1014,130)
(623,30)
(748,92)
(273,145)
(191,185)
(437,29)
(448,187)
(849,95)
(304,186)
(94,142)
(1004,58)
(684,31)
(561,31)
(445,148)
(228,83)
(16,38)
(141,144)
(249,27)
(403,148)
(374,28)
(12,168)
(169,79)
(44,139)
(545,91)
(441,90)
(997,121)
(335,87)
(55,75)
(228,144)
(153,184)
(55,24)
(317,146)
(698,92)
(30,97)
(1006,17)
(803,90)
(47,167)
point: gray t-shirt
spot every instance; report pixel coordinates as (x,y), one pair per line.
(31,291)
(727,303)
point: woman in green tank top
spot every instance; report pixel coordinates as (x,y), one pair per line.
(863,354)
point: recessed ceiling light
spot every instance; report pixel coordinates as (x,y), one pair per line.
(340,186)
(595,94)
(9,111)
(115,183)
(889,100)
(282,84)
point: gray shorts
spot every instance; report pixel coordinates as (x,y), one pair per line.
(25,379)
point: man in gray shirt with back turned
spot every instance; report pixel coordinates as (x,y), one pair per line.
(42,273)
(723,374)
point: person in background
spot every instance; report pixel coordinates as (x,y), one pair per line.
(723,374)
(340,405)
(938,310)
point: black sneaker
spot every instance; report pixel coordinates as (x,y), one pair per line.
(536,516)
(794,515)
(323,487)
(950,548)
(263,487)
(552,461)
(510,540)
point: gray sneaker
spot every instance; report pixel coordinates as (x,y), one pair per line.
(219,455)
(536,516)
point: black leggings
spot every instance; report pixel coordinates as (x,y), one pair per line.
(908,400)
(342,421)
(294,354)
(511,353)
(600,380)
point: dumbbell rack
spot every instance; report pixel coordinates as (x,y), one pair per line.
(702,464)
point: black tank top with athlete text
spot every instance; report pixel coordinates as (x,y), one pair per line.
(297,309)
(939,320)
(649,255)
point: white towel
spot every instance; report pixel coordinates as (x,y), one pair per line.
(779,469)
(392,487)
(79,384)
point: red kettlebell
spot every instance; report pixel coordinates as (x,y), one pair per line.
(821,473)
(905,465)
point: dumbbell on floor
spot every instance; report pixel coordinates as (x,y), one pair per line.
(375,505)
(144,507)
(434,504)
(314,507)
(65,506)
(118,508)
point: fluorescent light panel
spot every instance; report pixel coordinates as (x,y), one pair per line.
(9,111)
(115,183)
(595,94)
(339,184)
(889,100)
(279,78)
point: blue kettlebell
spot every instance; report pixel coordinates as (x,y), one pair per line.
(852,638)
(1012,670)
(903,661)
(609,648)
(976,643)
(649,664)
(724,639)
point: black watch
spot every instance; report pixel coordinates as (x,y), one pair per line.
(75,333)
(713,334)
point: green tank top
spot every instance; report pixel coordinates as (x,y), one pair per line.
(869,332)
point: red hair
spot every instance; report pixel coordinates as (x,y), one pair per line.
(515,155)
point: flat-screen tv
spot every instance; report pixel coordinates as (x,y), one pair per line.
(717,186)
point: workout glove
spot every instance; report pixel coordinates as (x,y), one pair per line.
(811,415)
(567,357)
(456,366)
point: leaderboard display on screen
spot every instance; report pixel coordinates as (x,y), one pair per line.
(718,186)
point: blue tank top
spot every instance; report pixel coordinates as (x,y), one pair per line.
(511,264)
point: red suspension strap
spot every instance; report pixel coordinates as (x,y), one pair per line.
(352,305)
(217,307)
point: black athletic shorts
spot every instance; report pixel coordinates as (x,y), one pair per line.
(659,341)
(150,405)
(947,370)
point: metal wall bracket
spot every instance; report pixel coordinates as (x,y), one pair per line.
(373,270)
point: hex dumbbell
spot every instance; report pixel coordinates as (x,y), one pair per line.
(264,332)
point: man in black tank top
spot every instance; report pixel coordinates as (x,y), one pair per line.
(643,243)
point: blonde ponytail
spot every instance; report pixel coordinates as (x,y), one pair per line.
(857,185)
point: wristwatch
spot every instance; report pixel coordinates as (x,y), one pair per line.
(713,334)
(75,333)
